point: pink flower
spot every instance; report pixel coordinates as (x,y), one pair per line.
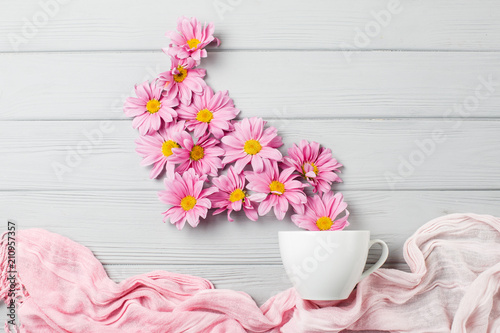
(182,80)
(157,148)
(190,39)
(232,195)
(150,108)
(188,199)
(202,156)
(250,143)
(276,190)
(321,211)
(209,112)
(315,164)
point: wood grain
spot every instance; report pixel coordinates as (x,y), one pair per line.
(294,63)
(125,227)
(261,282)
(78,86)
(253,24)
(377,154)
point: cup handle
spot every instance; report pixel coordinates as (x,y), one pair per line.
(381,260)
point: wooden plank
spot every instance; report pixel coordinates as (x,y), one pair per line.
(259,281)
(334,25)
(125,227)
(71,86)
(377,154)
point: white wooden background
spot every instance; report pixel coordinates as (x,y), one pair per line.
(295,63)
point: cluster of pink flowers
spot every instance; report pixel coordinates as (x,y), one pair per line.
(190,136)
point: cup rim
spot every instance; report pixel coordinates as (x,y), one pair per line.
(322,231)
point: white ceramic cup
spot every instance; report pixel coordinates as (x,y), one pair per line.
(327,265)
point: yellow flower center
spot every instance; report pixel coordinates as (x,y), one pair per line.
(193,43)
(315,168)
(179,77)
(197,153)
(252,147)
(166,147)
(324,223)
(276,186)
(237,195)
(153,106)
(187,203)
(204,115)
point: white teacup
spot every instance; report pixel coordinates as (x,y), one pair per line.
(327,265)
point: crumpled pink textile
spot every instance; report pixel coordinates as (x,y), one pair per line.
(453,287)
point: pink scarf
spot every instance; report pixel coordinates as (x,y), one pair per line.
(453,287)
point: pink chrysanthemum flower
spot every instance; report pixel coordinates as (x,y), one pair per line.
(315,164)
(202,156)
(190,39)
(188,199)
(232,195)
(321,211)
(182,80)
(209,111)
(156,149)
(250,143)
(150,108)
(276,190)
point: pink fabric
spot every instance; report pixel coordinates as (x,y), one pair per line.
(453,286)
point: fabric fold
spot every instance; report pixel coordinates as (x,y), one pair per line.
(453,286)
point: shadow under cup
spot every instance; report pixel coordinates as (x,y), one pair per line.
(327,265)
